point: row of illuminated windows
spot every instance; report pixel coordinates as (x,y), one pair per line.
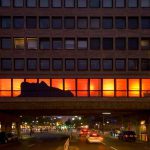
(76,3)
(94,43)
(84,87)
(70,64)
(72,22)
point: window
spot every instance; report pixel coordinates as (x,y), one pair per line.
(19,43)
(18,22)
(57,43)
(18,3)
(120,64)
(32,43)
(145,64)
(107,3)
(5,3)
(44,22)
(56,22)
(95,64)
(5,22)
(70,43)
(31,22)
(94,43)
(120,22)
(107,23)
(82,43)
(120,3)
(44,43)
(107,64)
(19,64)
(145,3)
(44,3)
(95,22)
(69,22)
(145,43)
(120,43)
(132,3)
(69,3)
(145,22)
(94,3)
(108,43)
(82,3)
(44,64)
(6,43)
(57,64)
(31,3)
(133,44)
(133,64)
(56,3)
(32,64)
(82,64)
(6,64)
(69,64)
(82,22)
(133,23)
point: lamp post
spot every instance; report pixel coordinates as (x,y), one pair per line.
(103,120)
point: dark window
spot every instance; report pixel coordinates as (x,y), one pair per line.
(19,64)
(82,64)
(5,3)
(57,64)
(120,3)
(56,22)
(145,64)
(120,64)
(6,43)
(6,64)
(18,3)
(69,3)
(44,43)
(69,64)
(95,64)
(82,22)
(145,3)
(18,22)
(120,43)
(94,3)
(95,22)
(44,22)
(95,43)
(31,3)
(57,43)
(132,3)
(145,43)
(107,43)
(5,22)
(107,64)
(69,22)
(32,64)
(56,3)
(107,3)
(145,22)
(31,22)
(70,43)
(44,3)
(133,44)
(120,22)
(82,43)
(82,3)
(133,22)
(133,64)
(107,23)
(44,64)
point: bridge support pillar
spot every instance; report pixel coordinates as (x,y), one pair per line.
(6,126)
(18,129)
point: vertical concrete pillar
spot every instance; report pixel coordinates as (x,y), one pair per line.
(18,129)
(6,126)
(148,129)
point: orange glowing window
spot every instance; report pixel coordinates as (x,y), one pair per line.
(95,87)
(47,81)
(70,84)
(57,83)
(82,87)
(31,80)
(108,87)
(5,87)
(134,87)
(145,87)
(17,86)
(121,87)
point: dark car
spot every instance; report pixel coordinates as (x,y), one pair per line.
(129,136)
(6,137)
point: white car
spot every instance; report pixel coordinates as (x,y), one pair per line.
(94,137)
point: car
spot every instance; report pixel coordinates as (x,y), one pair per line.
(6,137)
(94,137)
(84,132)
(129,136)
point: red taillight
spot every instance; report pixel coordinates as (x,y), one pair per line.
(126,136)
(94,134)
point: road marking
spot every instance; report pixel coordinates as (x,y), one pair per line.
(31,145)
(113,148)
(103,143)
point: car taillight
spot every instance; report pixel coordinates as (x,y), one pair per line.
(81,132)
(94,134)
(126,136)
